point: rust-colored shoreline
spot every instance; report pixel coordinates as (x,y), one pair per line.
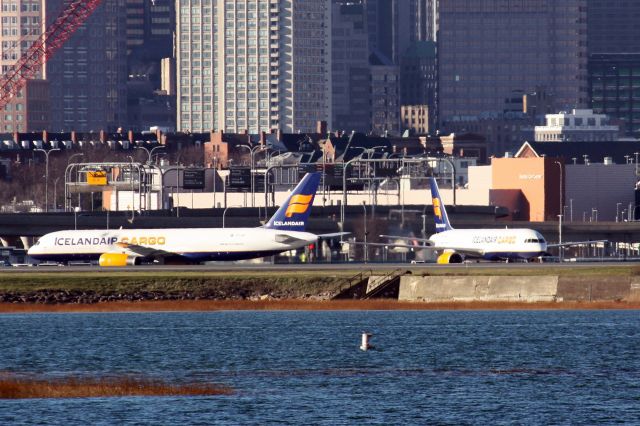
(305,305)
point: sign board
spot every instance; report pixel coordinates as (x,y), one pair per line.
(304,168)
(258,182)
(387,169)
(193,179)
(97,178)
(240,177)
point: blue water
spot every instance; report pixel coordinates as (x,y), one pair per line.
(306,368)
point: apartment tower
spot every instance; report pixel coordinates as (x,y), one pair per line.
(253,65)
(21,23)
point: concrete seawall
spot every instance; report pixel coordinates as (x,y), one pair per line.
(544,288)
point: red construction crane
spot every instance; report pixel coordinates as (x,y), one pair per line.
(27,66)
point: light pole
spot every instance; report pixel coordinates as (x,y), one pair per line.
(75,217)
(133,198)
(149,152)
(55,192)
(617,210)
(46,175)
(252,151)
(67,176)
(364,221)
(560,215)
(571,209)
(178,185)
(223,215)
(344,184)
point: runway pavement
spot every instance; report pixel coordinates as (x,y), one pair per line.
(328,267)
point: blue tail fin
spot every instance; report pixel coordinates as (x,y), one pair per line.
(293,213)
(439,212)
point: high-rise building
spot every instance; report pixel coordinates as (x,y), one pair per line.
(385,95)
(615,88)
(21,24)
(351,75)
(149,28)
(612,26)
(392,25)
(427,17)
(614,61)
(135,24)
(418,80)
(489,49)
(253,65)
(87,76)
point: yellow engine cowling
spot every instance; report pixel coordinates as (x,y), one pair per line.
(118,259)
(450,257)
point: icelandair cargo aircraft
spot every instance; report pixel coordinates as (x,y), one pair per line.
(454,245)
(122,247)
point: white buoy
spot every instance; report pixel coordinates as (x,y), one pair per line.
(365,346)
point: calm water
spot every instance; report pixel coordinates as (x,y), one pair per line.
(305,367)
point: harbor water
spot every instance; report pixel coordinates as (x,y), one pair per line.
(477,367)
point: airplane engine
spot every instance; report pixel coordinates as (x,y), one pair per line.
(450,257)
(118,259)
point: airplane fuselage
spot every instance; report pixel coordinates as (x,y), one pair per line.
(491,244)
(193,244)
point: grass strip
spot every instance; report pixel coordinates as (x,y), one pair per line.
(14,387)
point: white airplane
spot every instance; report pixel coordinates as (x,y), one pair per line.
(122,247)
(454,245)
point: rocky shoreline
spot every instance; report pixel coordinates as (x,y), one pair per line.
(52,297)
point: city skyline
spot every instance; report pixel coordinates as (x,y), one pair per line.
(355,64)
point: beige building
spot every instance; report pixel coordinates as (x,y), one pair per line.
(253,64)
(415,117)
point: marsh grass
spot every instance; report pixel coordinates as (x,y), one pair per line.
(15,387)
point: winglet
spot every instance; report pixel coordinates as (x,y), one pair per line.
(294,212)
(439,211)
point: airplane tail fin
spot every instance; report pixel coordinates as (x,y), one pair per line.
(439,211)
(294,212)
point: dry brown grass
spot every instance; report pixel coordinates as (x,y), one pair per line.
(306,305)
(14,387)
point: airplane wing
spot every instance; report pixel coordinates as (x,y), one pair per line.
(333,235)
(462,250)
(394,245)
(138,250)
(577,243)
(397,237)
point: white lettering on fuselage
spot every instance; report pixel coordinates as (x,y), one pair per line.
(105,241)
(289,223)
(488,239)
(85,241)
